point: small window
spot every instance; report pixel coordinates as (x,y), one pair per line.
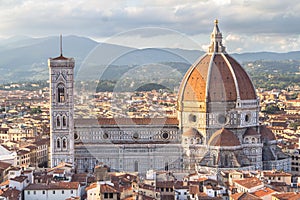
(58,143)
(64,143)
(61,93)
(64,121)
(53,191)
(43,191)
(28,192)
(62,192)
(71,191)
(57,121)
(34,192)
(111,195)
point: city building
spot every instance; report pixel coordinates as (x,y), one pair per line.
(217,127)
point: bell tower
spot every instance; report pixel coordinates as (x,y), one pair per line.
(61,70)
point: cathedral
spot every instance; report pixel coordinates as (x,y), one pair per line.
(216,128)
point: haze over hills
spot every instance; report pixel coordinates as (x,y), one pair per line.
(24,58)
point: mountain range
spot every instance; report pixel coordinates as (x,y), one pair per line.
(25,58)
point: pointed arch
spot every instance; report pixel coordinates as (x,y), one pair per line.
(64,143)
(58,121)
(58,143)
(61,93)
(64,121)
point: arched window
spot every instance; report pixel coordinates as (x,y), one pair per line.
(58,143)
(246,140)
(64,121)
(166,166)
(61,93)
(58,121)
(64,143)
(253,140)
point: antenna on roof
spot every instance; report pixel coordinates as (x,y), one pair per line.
(61,45)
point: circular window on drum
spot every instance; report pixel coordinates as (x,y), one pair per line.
(222,119)
(105,135)
(76,137)
(135,136)
(192,118)
(165,135)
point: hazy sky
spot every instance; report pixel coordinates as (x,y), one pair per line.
(247,25)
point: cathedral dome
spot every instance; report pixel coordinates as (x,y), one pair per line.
(216,77)
(224,138)
(192,133)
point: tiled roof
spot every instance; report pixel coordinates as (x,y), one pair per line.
(19,179)
(128,121)
(52,186)
(223,138)
(191,132)
(4,165)
(105,188)
(244,196)
(220,75)
(11,194)
(266,134)
(248,182)
(276,173)
(250,132)
(263,192)
(287,196)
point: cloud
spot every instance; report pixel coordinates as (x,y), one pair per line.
(100,19)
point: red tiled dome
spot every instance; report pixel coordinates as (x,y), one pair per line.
(224,138)
(266,134)
(192,132)
(216,77)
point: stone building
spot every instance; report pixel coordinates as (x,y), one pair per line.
(217,125)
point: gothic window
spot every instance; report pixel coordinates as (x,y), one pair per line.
(64,121)
(57,121)
(166,166)
(64,143)
(61,93)
(246,140)
(58,143)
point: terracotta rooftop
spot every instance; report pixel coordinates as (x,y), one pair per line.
(244,196)
(287,196)
(276,173)
(263,192)
(19,179)
(105,188)
(128,121)
(223,138)
(192,132)
(266,134)
(11,194)
(250,132)
(54,186)
(216,77)
(249,182)
(4,165)
(61,57)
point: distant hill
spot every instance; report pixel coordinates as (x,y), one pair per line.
(24,58)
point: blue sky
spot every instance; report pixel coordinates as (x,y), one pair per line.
(247,25)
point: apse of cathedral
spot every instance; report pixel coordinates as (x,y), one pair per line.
(217,125)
